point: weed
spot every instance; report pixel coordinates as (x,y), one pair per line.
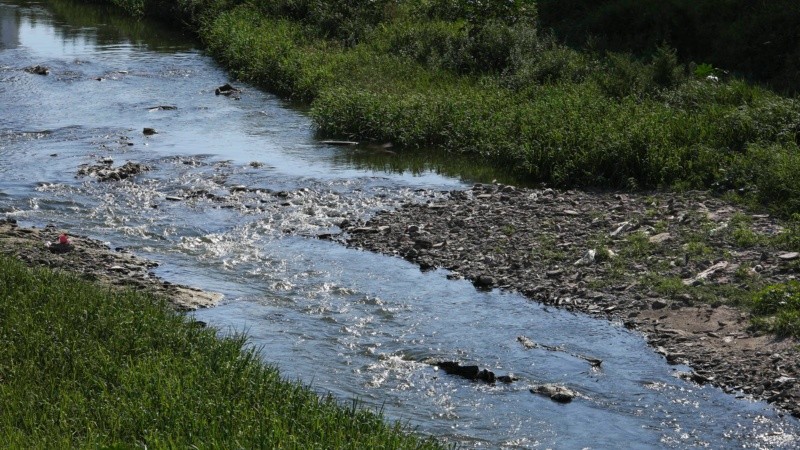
(548,248)
(777,308)
(637,245)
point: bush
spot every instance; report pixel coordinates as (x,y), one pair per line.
(666,71)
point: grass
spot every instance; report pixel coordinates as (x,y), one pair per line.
(777,308)
(86,367)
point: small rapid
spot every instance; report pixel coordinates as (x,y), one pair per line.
(233,197)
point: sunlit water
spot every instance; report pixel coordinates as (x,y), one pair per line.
(236,193)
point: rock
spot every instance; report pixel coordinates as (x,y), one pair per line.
(423,244)
(527,343)
(784,380)
(38,70)
(163,108)
(149,131)
(789,256)
(621,228)
(658,304)
(59,247)
(507,378)
(227,90)
(586,259)
(468,372)
(660,238)
(484,281)
(104,172)
(706,273)
(557,393)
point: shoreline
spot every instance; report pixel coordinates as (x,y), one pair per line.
(631,258)
(536,242)
(94,261)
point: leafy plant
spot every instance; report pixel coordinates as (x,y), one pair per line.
(704,70)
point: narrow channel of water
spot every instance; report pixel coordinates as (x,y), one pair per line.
(236,189)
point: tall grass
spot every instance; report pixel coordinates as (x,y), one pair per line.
(85,367)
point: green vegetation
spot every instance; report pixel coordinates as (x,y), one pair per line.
(757,39)
(478,78)
(81,367)
(777,308)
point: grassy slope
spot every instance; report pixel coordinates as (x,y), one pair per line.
(424,73)
(83,367)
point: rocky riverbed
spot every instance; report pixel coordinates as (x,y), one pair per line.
(95,261)
(675,266)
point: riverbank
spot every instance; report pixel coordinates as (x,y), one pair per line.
(95,261)
(480,79)
(107,363)
(687,270)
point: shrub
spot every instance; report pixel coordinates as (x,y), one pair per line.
(666,71)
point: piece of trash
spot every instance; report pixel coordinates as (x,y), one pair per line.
(62,245)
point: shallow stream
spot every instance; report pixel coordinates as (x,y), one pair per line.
(236,192)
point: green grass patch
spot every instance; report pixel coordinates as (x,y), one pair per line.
(83,366)
(777,308)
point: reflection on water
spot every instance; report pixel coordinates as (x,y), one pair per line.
(9,28)
(385,158)
(235,193)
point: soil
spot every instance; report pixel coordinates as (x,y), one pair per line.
(674,266)
(95,261)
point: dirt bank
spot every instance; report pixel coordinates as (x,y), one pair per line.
(94,260)
(673,266)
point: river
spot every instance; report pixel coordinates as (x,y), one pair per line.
(236,192)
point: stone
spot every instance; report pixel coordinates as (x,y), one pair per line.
(790,256)
(468,372)
(162,108)
(484,281)
(147,131)
(660,238)
(38,70)
(227,90)
(658,304)
(621,228)
(557,393)
(706,274)
(586,259)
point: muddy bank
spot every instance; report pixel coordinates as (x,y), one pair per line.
(672,266)
(95,261)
